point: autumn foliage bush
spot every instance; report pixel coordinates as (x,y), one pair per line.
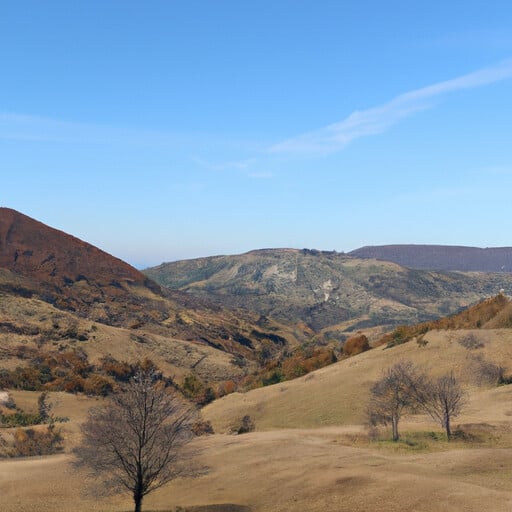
(289,366)
(69,371)
(356,345)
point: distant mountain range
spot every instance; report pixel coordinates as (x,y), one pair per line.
(441,257)
(328,292)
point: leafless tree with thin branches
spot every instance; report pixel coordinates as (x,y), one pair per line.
(442,399)
(392,394)
(137,440)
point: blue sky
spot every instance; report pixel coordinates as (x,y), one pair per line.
(163,130)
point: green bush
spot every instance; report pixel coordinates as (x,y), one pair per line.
(20,419)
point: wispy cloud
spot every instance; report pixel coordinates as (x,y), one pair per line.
(363,123)
(247,167)
(261,175)
(237,165)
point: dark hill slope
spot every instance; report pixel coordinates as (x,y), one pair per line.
(328,290)
(441,257)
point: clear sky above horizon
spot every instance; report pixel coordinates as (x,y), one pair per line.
(163,130)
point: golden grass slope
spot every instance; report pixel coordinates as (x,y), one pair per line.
(31,324)
(310,451)
(337,394)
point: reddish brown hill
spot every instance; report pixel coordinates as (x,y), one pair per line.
(63,269)
(31,248)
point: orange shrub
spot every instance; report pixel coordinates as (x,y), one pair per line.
(356,345)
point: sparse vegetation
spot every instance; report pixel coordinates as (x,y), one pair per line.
(489,373)
(35,434)
(289,366)
(70,371)
(471,342)
(471,318)
(32,441)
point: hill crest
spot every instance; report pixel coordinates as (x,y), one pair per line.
(329,292)
(441,257)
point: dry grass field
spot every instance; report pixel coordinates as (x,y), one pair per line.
(311,451)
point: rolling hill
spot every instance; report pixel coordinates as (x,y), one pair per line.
(311,450)
(328,292)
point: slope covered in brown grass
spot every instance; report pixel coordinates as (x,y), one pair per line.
(491,313)
(338,394)
(310,450)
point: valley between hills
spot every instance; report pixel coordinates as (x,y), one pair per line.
(75,320)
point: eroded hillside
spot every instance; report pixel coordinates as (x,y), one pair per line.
(329,292)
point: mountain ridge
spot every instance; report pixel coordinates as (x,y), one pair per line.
(441,257)
(325,289)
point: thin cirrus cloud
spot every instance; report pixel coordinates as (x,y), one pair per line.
(23,127)
(237,165)
(372,121)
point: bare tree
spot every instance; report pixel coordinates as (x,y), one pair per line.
(443,399)
(137,440)
(393,393)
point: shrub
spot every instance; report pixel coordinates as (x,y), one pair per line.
(226,388)
(489,373)
(202,428)
(274,378)
(192,387)
(247,425)
(98,385)
(471,342)
(119,370)
(356,345)
(20,419)
(29,442)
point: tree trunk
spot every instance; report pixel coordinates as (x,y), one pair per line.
(137,498)
(394,422)
(447,427)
